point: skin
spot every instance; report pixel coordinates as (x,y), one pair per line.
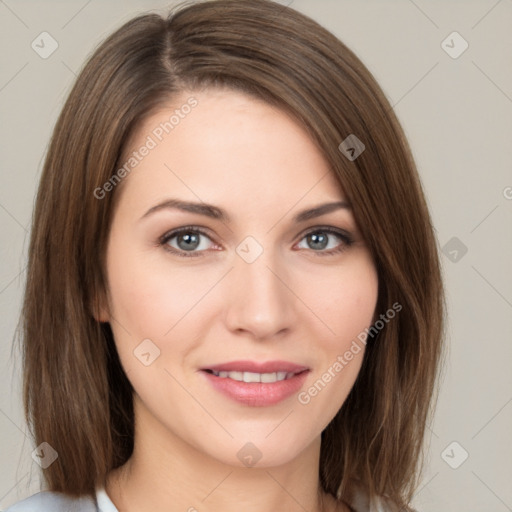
(292,303)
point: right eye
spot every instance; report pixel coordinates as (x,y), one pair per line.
(188,239)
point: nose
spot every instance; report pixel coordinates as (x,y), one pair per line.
(260,300)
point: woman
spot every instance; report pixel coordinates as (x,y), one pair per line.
(233,295)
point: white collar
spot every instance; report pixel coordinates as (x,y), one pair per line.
(104,502)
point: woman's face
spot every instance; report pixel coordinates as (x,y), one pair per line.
(257,295)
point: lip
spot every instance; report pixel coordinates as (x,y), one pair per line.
(257,394)
(257,367)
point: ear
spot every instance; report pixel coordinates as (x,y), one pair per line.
(99,307)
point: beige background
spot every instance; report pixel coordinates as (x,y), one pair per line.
(457,114)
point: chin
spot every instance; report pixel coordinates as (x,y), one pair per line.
(259,451)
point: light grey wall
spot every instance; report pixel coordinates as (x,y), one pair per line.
(457,113)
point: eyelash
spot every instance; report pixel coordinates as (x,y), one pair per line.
(347,240)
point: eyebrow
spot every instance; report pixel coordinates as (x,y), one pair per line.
(217,213)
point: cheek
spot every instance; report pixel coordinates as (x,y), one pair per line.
(153,301)
(348,310)
(150,299)
(349,305)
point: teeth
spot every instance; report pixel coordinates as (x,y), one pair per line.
(254,377)
(251,377)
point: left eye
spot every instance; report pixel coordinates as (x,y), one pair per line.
(320,239)
(188,241)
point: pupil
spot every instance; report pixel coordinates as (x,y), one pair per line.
(315,239)
(189,238)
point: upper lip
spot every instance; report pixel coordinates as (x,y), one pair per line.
(258,367)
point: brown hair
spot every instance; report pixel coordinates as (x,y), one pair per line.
(76,394)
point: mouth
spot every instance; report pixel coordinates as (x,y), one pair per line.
(266,378)
(257,384)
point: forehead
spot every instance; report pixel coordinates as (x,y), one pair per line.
(226,144)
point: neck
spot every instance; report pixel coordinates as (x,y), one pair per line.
(165,473)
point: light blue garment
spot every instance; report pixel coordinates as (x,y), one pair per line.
(47,501)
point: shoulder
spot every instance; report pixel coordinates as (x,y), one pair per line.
(47,501)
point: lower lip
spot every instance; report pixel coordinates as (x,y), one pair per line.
(257,394)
